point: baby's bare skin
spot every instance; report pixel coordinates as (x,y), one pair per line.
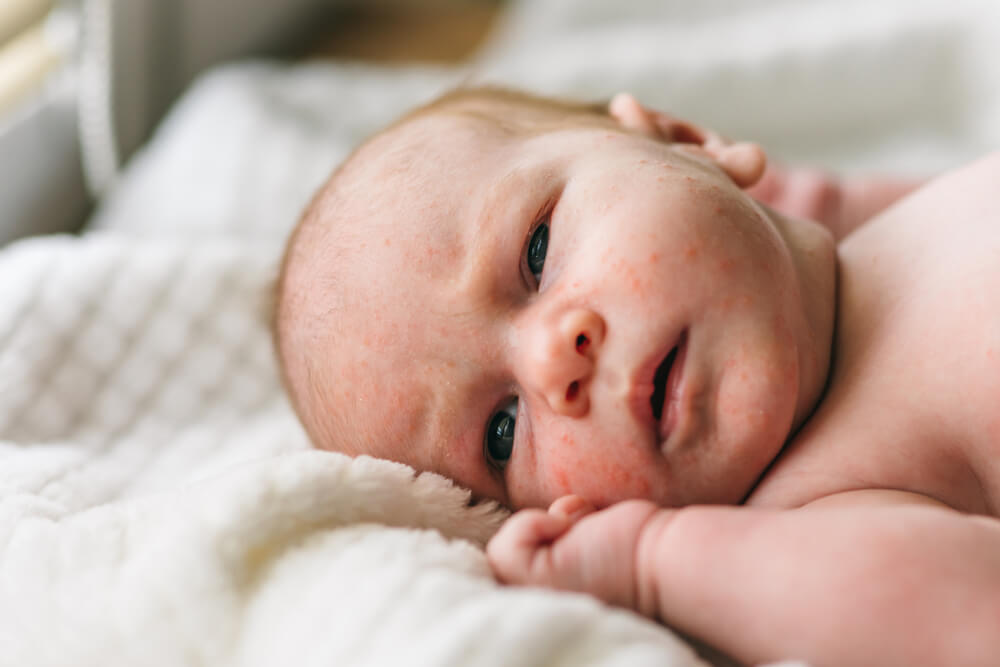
(917,347)
(869,477)
(875,565)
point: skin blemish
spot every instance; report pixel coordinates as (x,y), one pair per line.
(567,440)
(654,258)
(386,242)
(561,479)
(691,252)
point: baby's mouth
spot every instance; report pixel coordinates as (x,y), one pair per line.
(660,383)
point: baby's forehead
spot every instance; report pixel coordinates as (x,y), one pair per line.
(465,128)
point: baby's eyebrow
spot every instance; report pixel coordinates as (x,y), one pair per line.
(510,199)
(494,205)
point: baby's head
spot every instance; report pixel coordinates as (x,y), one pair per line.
(535,298)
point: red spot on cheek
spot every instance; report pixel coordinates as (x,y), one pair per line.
(691,252)
(561,479)
(654,258)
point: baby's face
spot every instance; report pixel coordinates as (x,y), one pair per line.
(584,310)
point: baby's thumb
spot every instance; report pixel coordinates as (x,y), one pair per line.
(513,551)
(572,507)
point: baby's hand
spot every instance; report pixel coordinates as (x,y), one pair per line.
(802,193)
(839,204)
(575,548)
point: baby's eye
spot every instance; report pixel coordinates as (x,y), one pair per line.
(498,444)
(538,244)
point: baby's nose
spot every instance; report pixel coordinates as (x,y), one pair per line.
(561,357)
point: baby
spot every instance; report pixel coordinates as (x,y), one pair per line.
(784,446)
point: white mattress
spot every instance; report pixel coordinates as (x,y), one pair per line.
(159,504)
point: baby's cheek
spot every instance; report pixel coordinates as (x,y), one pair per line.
(593,472)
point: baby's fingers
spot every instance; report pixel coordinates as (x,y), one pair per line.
(514,551)
(572,507)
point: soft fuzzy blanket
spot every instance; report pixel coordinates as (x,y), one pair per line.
(159,504)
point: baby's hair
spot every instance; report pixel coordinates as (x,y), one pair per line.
(318,233)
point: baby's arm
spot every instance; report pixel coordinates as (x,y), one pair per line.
(835,584)
(841,204)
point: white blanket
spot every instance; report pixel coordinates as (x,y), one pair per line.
(159,504)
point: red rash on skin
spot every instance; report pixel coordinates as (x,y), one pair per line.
(567,440)
(561,479)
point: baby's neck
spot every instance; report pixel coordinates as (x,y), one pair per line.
(897,412)
(814,257)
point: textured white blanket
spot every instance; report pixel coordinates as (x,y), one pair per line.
(159,504)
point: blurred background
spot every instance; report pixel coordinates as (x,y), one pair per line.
(83,83)
(224,115)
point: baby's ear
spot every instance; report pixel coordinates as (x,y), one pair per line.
(743,162)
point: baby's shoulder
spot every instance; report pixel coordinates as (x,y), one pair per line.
(953,218)
(982,172)
(911,400)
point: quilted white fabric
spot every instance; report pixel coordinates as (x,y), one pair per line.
(159,503)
